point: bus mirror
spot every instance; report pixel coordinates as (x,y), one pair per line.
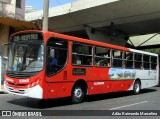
(4,51)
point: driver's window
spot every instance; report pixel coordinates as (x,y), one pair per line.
(56,55)
(31,55)
(19,53)
(18,59)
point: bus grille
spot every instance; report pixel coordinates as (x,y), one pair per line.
(21,74)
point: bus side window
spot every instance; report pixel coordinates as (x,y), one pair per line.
(153,62)
(81,54)
(146,60)
(102,57)
(56,55)
(138,61)
(76,60)
(117,58)
(128,60)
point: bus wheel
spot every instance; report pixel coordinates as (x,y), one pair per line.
(137,87)
(77,94)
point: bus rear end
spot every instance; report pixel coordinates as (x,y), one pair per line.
(25,68)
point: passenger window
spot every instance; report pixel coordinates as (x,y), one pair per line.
(102,57)
(153,62)
(117,58)
(138,61)
(128,59)
(56,55)
(81,54)
(146,60)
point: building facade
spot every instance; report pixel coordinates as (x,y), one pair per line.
(10,9)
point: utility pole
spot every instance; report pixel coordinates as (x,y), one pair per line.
(45,15)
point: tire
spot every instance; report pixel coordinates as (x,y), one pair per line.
(77,94)
(137,87)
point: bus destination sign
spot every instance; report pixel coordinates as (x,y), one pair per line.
(27,37)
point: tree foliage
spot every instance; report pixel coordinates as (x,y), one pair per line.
(154,50)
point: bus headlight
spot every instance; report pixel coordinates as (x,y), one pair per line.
(29,85)
(35,83)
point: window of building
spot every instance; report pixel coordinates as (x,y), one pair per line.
(117,58)
(81,54)
(102,57)
(18,3)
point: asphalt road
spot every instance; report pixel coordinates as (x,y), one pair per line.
(149,99)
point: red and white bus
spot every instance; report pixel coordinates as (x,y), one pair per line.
(48,65)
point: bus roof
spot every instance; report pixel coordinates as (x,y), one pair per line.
(87,41)
(143,52)
(73,38)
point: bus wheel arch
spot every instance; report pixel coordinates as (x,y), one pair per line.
(79,90)
(137,86)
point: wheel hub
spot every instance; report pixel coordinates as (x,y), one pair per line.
(78,93)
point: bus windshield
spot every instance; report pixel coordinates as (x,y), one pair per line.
(25,57)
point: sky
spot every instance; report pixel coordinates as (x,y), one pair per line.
(38,4)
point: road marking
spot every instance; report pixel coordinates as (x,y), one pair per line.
(128,105)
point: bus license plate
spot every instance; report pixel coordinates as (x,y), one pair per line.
(16,90)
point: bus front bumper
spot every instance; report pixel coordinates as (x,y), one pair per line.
(34,92)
